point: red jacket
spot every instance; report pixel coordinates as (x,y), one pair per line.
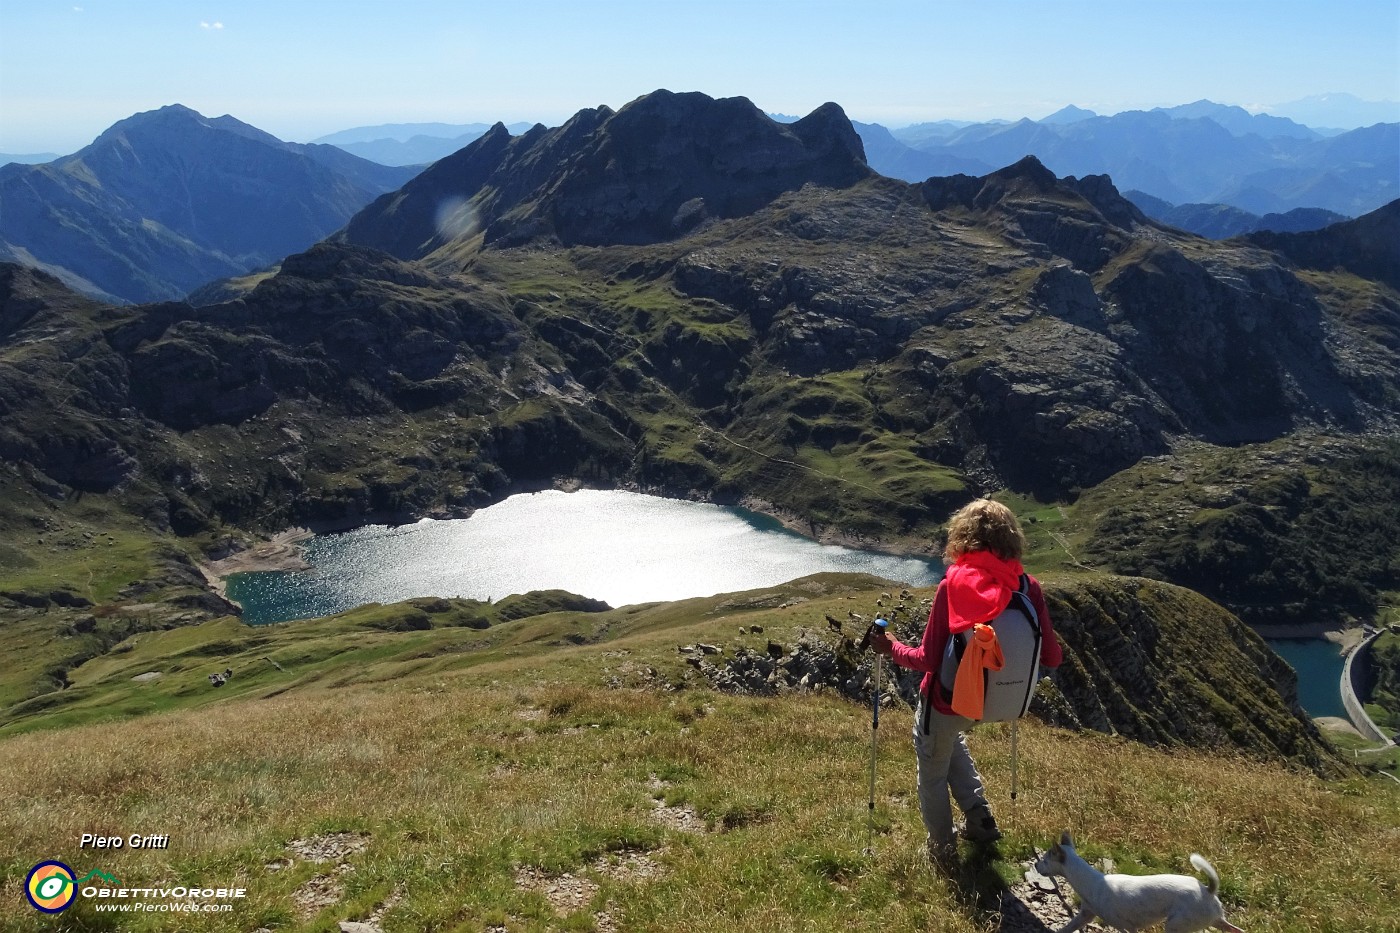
(928,656)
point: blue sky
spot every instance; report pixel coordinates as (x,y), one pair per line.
(304,68)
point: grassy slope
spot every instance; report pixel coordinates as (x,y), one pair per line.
(553,743)
(88,548)
(1297,530)
(1383,705)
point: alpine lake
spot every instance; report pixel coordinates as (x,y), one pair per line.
(621,547)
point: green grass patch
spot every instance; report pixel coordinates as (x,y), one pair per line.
(1043,523)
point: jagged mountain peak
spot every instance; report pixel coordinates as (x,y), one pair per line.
(1084,220)
(498,130)
(829,122)
(1100,191)
(1026,177)
(656,168)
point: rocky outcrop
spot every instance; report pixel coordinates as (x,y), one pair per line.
(330,313)
(1364,246)
(1165,666)
(1149,661)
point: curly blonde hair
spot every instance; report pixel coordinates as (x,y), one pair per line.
(984,525)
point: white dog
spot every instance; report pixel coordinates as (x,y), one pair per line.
(1135,902)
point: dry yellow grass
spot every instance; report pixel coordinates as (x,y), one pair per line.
(463,780)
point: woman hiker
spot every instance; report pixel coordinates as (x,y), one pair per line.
(984,550)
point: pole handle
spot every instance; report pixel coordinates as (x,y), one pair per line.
(877,627)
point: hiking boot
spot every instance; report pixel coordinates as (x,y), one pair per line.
(981,825)
(943,855)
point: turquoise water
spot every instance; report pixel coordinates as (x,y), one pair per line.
(1319,664)
(619,547)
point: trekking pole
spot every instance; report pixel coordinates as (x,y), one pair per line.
(1013,772)
(874,730)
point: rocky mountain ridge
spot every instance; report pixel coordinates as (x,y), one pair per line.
(653,170)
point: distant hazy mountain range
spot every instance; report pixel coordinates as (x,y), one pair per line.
(1346,110)
(27,158)
(1220,221)
(1201,153)
(167,200)
(410,143)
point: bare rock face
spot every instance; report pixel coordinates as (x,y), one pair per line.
(331,311)
(1068,294)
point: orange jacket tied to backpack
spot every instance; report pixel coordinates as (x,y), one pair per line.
(983,654)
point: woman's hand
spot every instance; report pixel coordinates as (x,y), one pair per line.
(881,643)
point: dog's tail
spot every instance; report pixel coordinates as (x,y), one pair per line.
(1205,868)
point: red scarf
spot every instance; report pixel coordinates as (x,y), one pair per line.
(979,587)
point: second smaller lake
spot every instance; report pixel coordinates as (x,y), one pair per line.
(1319,664)
(619,547)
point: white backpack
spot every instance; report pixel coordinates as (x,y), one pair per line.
(1009,690)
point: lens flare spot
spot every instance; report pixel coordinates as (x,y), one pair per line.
(456,218)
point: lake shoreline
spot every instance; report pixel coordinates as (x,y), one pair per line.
(1345,637)
(280,552)
(283,552)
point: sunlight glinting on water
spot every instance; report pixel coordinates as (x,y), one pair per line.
(619,547)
